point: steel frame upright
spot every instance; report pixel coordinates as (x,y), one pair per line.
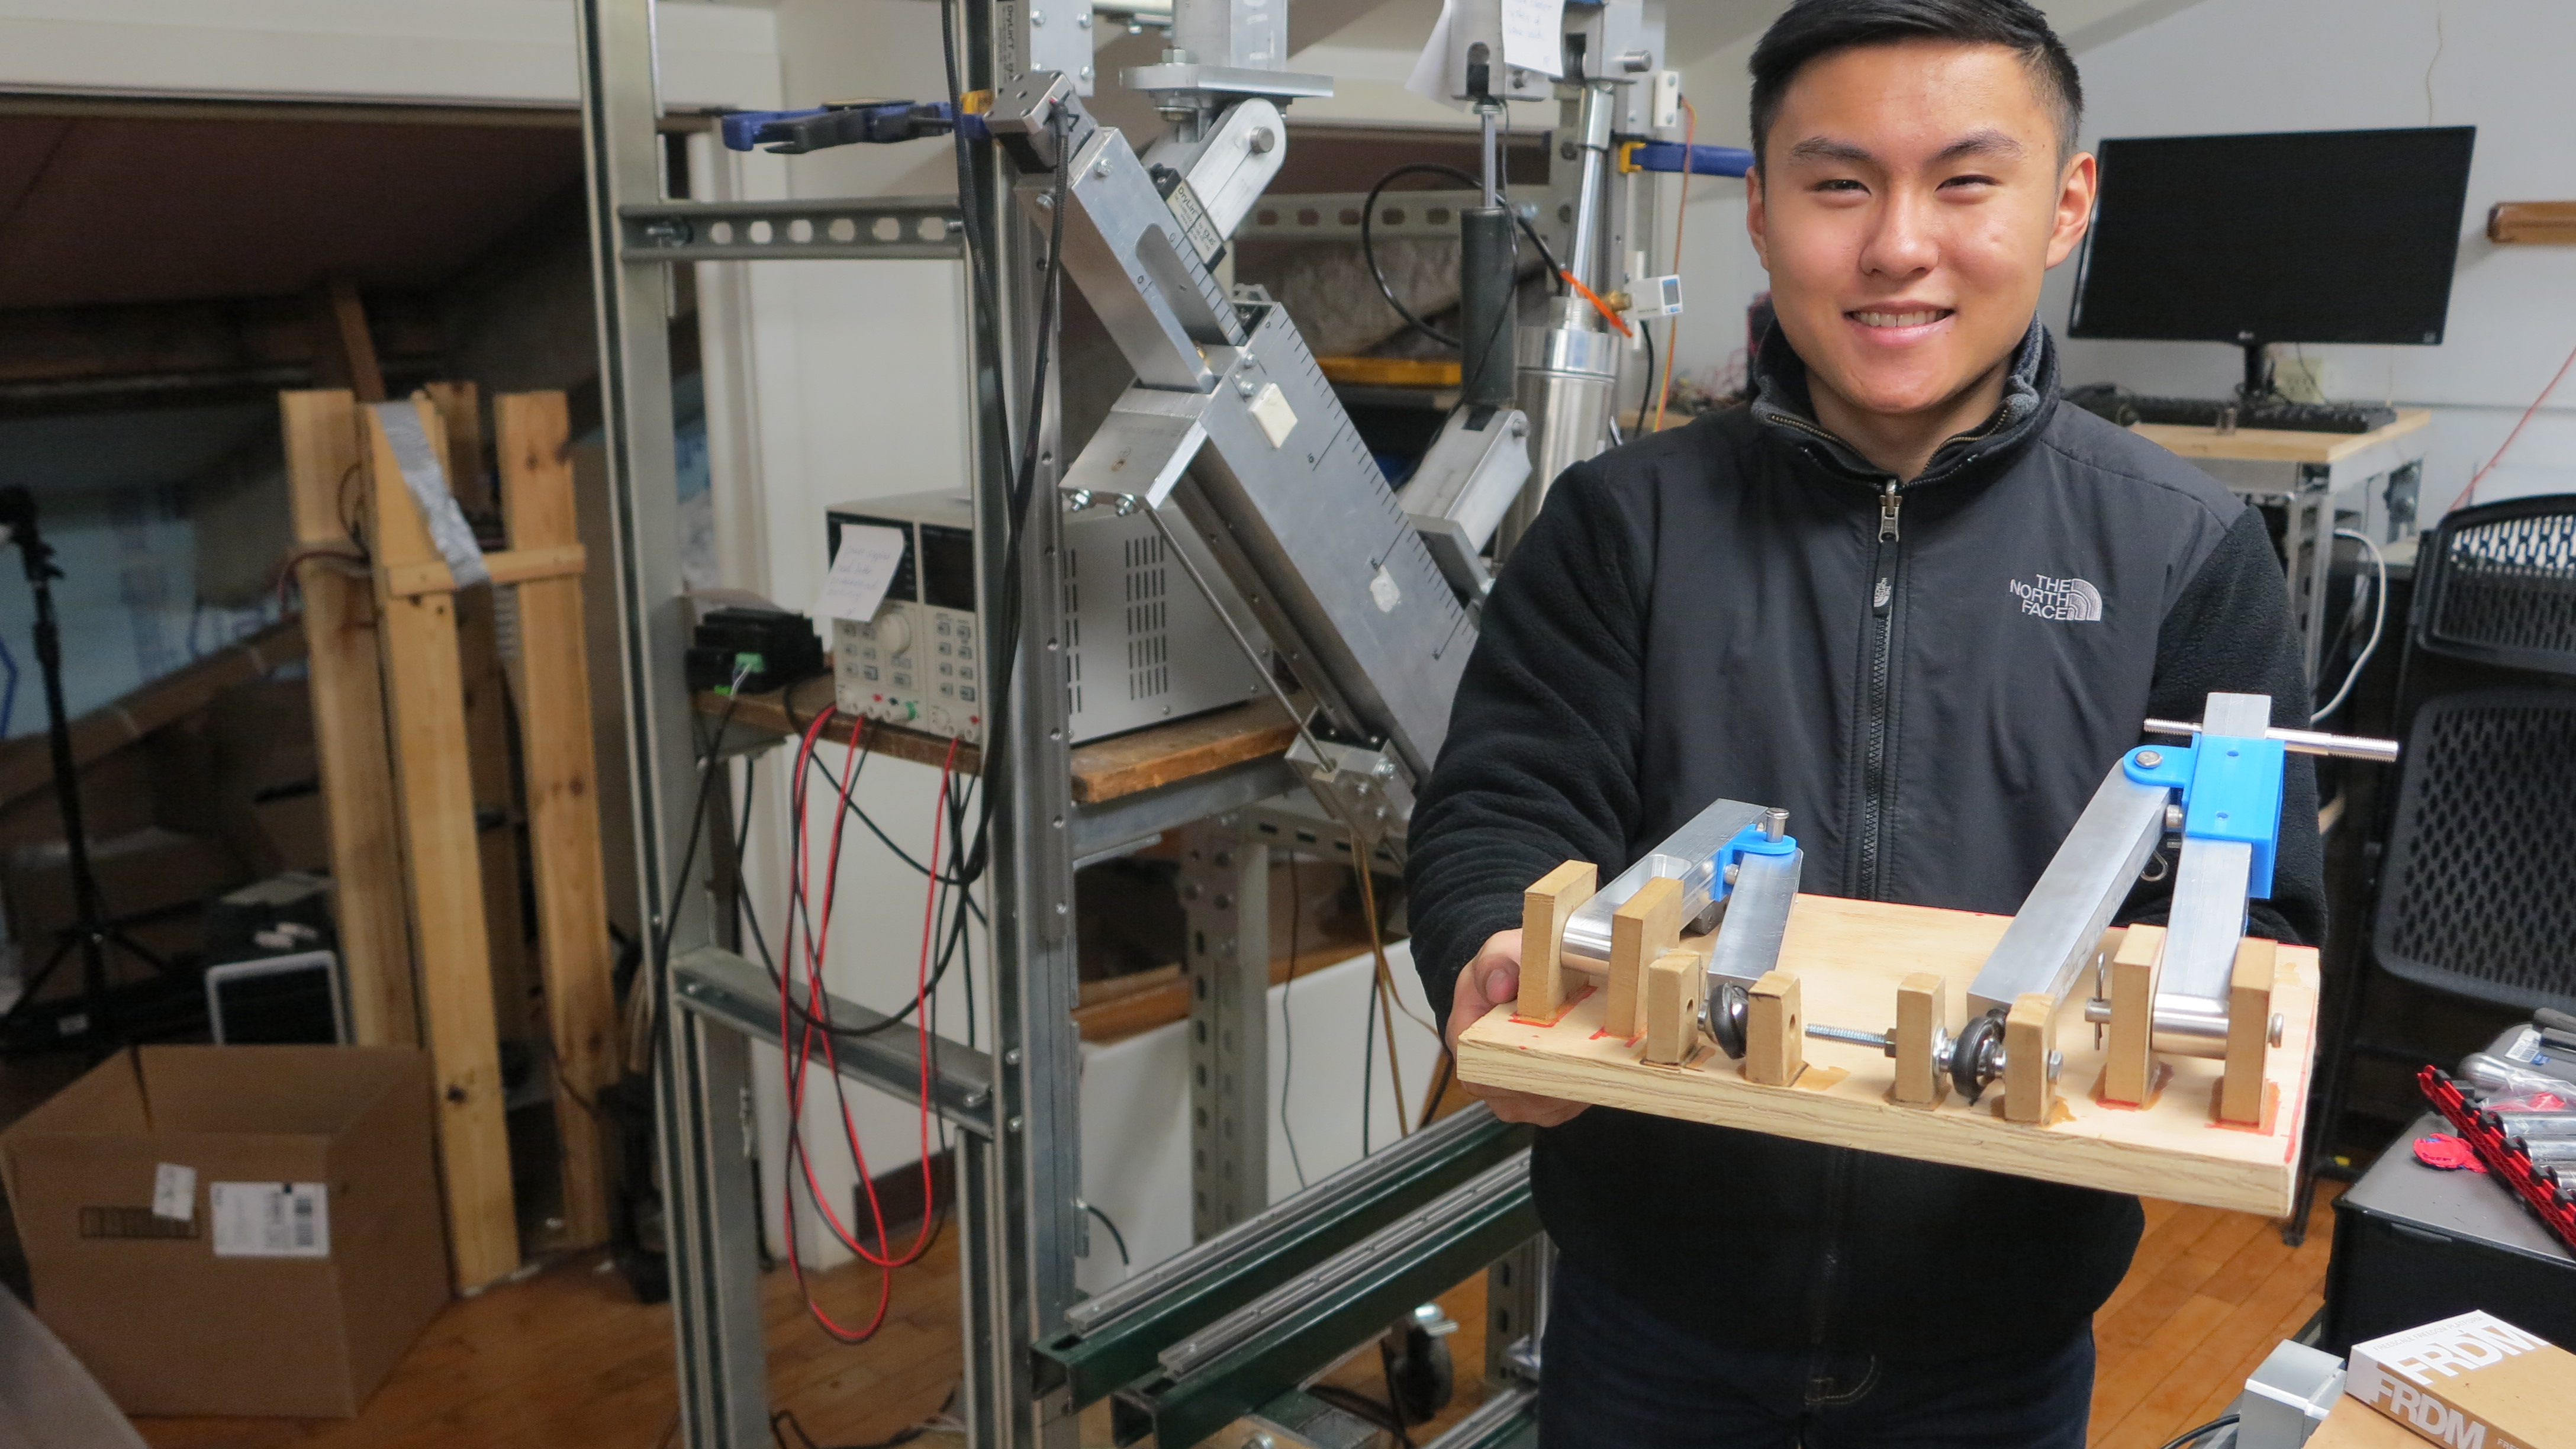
(1018,1178)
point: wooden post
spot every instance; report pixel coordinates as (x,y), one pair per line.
(323,453)
(2030,1038)
(1775,1030)
(1673,984)
(436,789)
(563,801)
(1922,1010)
(487,731)
(2129,1062)
(1647,925)
(2249,1032)
(1545,908)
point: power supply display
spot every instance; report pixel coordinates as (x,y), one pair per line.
(1142,646)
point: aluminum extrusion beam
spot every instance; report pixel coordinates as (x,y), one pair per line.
(1686,855)
(2060,924)
(2212,877)
(1113,1339)
(875,228)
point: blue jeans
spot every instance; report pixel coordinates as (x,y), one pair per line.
(1614,1377)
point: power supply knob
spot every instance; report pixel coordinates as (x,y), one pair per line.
(894,633)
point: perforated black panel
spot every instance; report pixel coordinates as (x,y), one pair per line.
(2503,585)
(2479,898)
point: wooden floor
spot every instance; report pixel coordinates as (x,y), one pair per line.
(568,1358)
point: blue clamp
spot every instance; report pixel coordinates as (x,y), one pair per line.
(2230,789)
(1748,841)
(869,122)
(1639,154)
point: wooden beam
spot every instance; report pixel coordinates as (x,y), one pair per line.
(1545,908)
(508,566)
(563,802)
(2527,222)
(1775,1030)
(2249,1032)
(2030,1039)
(2129,1060)
(1645,926)
(1673,985)
(435,785)
(323,451)
(357,346)
(1922,1014)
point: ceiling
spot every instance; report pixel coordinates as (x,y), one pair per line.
(125,206)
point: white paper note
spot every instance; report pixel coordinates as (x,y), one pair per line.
(1534,35)
(270,1219)
(174,1192)
(861,571)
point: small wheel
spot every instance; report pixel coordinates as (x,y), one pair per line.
(1972,1058)
(1421,1377)
(1725,1019)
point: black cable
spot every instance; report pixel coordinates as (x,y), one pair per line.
(1647,400)
(1368,1048)
(1368,246)
(1439,1085)
(1115,1236)
(804,1440)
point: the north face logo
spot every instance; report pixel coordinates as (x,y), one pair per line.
(2071,601)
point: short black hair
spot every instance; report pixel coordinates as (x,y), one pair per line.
(1812,29)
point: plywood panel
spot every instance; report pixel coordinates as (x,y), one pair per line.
(1849,957)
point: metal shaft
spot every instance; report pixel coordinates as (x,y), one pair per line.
(2301,742)
(1882,1041)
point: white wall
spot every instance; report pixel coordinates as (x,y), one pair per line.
(2265,65)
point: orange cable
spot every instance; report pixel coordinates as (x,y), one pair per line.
(1681,219)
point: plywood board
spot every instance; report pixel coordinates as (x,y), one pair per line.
(435,789)
(563,804)
(1850,957)
(2276,445)
(325,477)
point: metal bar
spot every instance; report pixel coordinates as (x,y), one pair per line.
(1757,918)
(1299,1327)
(2060,924)
(1169,807)
(1225,899)
(1686,855)
(1335,216)
(722,987)
(1115,1337)
(1516,1289)
(700,1087)
(2301,742)
(892,227)
(2207,919)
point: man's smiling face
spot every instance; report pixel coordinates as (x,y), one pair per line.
(1910,198)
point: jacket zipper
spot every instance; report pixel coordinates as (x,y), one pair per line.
(1882,667)
(1839,1167)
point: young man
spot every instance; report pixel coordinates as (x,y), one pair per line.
(1870,598)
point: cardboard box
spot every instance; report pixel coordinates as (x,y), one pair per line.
(2472,1381)
(2352,1425)
(234,1230)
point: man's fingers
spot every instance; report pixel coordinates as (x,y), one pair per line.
(1502,982)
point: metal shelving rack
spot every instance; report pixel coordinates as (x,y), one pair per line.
(1014,1106)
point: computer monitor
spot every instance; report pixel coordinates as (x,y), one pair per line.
(2292,236)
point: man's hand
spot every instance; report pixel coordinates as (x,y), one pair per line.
(1494,979)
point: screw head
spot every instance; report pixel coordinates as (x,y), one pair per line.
(2150,759)
(2279,1025)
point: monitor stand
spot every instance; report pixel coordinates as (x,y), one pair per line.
(2257,385)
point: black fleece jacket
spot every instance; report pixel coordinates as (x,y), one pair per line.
(1728,610)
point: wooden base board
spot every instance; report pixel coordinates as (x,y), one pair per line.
(1849,957)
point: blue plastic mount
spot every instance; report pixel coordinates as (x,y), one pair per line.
(1704,160)
(2230,789)
(1748,841)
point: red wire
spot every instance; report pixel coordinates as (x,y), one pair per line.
(2480,475)
(798,1055)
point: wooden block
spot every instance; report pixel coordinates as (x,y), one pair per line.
(2129,1062)
(561,779)
(1775,1031)
(323,450)
(2511,222)
(2249,1032)
(1673,984)
(1922,1011)
(435,788)
(1545,908)
(2030,1036)
(1645,927)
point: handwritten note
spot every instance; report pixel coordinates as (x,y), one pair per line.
(1534,35)
(861,570)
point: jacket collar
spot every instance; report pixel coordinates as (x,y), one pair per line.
(1780,403)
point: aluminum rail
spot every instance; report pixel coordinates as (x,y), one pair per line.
(2301,742)
(1686,855)
(721,986)
(1114,1339)
(1303,1324)
(1507,1419)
